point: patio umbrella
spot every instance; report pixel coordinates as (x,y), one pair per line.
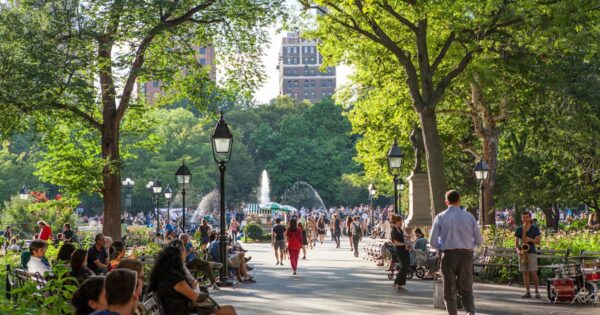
(288,208)
(273,206)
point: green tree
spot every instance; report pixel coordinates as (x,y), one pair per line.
(420,45)
(80,61)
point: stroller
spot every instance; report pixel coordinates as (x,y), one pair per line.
(427,262)
(411,269)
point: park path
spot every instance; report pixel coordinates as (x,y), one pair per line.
(333,281)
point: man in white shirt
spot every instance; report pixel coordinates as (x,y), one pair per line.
(37,262)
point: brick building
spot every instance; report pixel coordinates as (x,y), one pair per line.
(299,73)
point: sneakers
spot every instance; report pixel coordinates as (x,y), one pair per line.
(294,273)
(537,295)
(526,296)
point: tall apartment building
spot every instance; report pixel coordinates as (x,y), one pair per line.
(206,56)
(299,73)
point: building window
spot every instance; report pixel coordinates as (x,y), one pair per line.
(306,95)
(312,83)
(202,61)
(202,50)
(289,83)
(154,84)
(305,83)
(295,83)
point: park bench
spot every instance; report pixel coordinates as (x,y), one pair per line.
(16,278)
(152,305)
(548,258)
(495,258)
(586,256)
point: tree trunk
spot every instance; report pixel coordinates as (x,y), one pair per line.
(552,216)
(434,154)
(485,123)
(111,180)
(490,155)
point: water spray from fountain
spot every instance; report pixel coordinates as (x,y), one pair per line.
(265,188)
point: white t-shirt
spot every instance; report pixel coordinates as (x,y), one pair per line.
(35,264)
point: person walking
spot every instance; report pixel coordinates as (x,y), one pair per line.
(401,251)
(349,231)
(528,234)
(304,239)
(321,229)
(357,234)
(294,243)
(233,229)
(455,233)
(337,229)
(278,241)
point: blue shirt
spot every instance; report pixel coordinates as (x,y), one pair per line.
(455,228)
(214,248)
(190,256)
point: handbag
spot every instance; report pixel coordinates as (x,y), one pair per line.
(204,304)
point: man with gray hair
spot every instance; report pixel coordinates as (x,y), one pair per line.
(455,233)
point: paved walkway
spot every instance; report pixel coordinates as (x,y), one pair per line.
(333,281)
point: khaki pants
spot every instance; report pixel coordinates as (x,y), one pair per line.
(457,275)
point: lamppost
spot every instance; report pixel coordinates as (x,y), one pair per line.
(24,193)
(168,196)
(372,192)
(221,144)
(395,164)
(128,184)
(399,187)
(184,178)
(149,188)
(481,172)
(157,189)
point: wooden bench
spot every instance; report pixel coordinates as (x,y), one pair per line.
(547,258)
(508,258)
(497,258)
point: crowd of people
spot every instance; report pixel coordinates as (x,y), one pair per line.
(107,265)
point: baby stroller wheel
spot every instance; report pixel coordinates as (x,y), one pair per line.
(409,274)
(391,275)
(420,272)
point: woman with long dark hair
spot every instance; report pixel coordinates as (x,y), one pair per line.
(321,229)
(90,296)
(65,252)
(401,251)
(78,263)
(294,240)
(349,232)
(304,239)
(175,286)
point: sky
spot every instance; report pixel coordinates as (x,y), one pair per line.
(270,89)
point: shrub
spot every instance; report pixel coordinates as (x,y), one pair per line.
(253,231)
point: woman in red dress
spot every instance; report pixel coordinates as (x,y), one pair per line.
(294,242)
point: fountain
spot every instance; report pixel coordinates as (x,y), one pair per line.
(264,197)
(209,205)
(303,194)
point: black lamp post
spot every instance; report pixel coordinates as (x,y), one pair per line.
(481,172)
(157,189)
(168,196)
(128,185)
(395,164)
(399,184)
(221,144)
(184,178)
(24,193)
(372,192)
